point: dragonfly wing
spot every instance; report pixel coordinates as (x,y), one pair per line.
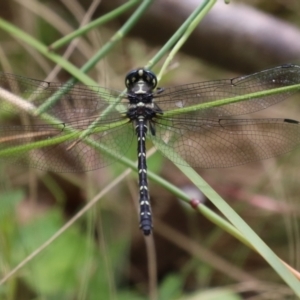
(59,99)
(73,108)
(57,149)
(213,91)
(217,143)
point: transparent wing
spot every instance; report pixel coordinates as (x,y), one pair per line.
(77,108)
(215,143)
(210,91)
(75,100)
(72,155)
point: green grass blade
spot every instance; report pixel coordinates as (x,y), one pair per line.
(180,32)
(37,45)
(192,23)
(251,237)
(98,22)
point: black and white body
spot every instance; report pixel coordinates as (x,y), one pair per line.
(141,110)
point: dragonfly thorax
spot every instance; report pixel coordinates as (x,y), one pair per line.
(141,110)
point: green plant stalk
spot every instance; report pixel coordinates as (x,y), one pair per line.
(204,8)
(29,40)
(70,135)
(178,34)
(231,100)
(117,36)
(247,235)
(98,22)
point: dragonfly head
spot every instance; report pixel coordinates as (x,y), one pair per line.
(140,81)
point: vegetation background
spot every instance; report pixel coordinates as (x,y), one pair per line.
(104,255)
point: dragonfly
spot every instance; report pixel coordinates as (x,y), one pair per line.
(68,127)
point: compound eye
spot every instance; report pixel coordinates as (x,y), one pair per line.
(150,78)
(140,74)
